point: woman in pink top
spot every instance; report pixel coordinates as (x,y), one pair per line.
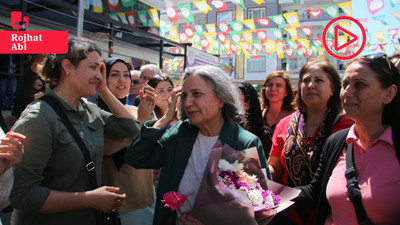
(370,97)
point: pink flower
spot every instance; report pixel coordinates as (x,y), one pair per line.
(173,200)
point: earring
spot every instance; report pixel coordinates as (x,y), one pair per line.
(68,73)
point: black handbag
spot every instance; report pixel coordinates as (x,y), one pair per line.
(101,217)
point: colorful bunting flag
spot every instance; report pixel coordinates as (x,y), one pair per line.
(188,30)
(346,25)
(375,5)
(292,32)
(163,31)
(203,6)
(219,4)
(240,3)
(143,18)
(307,30)
(397,15)
(257,49)
(380,36)
(154,16)
(292,19)
(380,19)
(198,28)
(235,36)
(270,46)
(278,19)
(347,8)
(128,3)
(113,5)
(262,35)
(258,2)
(172,13)
(222,36)
(289,52)
(88,4)
(250,24)
(182,37)
(197,38)
(263,21)
(392,33)
(211,29)
(277,33)
(318,42)
(204,44)
(236,26)
(331,10)
(131,18)
(186,12)
(97,6)
(292,44)
(122,17)
(315,12)
(394,2)
(223,27)
(304,42)
(114,16)
(248,36)
(173,32)
(364,23)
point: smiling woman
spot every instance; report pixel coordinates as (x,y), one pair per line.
(52,168)
(210,109)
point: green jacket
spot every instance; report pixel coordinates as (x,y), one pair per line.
(153,149)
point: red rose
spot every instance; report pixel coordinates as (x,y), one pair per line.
(173,200)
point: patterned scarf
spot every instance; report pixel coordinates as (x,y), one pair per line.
(302,158)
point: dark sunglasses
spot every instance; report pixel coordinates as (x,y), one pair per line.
(380,56)
(135,81)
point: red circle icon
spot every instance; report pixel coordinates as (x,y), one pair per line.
(324,41)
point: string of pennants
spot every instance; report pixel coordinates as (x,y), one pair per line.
(302,47)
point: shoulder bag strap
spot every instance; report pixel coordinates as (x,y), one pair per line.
(89,164)
(353,189)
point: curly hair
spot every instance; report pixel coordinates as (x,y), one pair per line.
(78,50)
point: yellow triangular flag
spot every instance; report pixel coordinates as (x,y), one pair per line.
(292,19)
(203,6)
(173,32)
(210,38)
(97,6)
(258,2)
(293,32)
(211,29)
(250,24)
(154,16)
(248,37)
(380,35)
(347,8)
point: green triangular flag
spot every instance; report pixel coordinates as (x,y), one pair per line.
(278,19)
(277,33)
(127,3)
(240,3)
(199,28)
(235,36)
(114,16)
(381,19)
(331,10)
(237,26)
(186,12)
(143,19)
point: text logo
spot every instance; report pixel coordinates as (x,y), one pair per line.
(16,19)
(339,45)
(31,42)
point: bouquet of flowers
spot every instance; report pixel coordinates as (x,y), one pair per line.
(234,190)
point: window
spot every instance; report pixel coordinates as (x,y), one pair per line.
(256,65)
(254,13)
(224,17)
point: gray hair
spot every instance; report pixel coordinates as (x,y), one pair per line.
(150,68)
(223,87)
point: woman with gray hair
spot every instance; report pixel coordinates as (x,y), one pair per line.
(211,108)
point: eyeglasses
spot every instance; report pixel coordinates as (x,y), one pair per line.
(135,81)
(379,55)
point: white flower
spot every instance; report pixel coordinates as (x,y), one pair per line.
(224,165)
(270,200)
(236,166)
(256,197)
(246,202)
(252,185)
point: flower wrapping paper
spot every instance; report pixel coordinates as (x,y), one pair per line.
(216,205)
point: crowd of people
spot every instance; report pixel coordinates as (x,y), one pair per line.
(68,160)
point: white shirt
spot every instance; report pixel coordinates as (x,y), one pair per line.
(194,170)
